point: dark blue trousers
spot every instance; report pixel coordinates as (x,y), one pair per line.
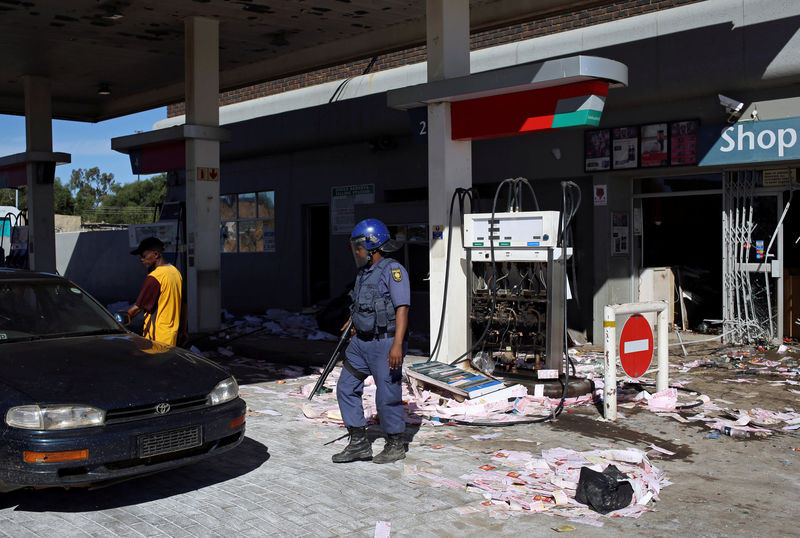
(371,358)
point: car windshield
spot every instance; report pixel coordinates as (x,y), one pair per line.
(37,309)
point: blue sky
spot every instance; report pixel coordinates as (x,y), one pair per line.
(88,143)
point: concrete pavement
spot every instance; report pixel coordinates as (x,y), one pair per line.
(280,481)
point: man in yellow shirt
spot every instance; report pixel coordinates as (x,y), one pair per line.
(160,296)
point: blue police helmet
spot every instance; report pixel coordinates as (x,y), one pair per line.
(372,233)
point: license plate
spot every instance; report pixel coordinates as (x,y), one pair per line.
(154,444)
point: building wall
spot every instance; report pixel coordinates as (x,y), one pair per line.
(101,263)
(305,175)
(678,59)
(67,223)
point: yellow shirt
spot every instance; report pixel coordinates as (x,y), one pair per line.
(160,298)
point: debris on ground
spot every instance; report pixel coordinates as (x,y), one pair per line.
(277,322)
(514,404)
(383,529)
(512,482)
(511,404)
(517,483)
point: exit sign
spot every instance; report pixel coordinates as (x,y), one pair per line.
(207,174)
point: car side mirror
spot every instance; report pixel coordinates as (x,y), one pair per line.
(122,318)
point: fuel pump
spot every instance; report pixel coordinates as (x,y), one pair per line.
(14,238)
(517,290)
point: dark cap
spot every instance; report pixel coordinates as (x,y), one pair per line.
(149,243)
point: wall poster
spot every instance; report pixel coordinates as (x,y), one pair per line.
(601,195)
(620,235)
(655,145)
(597,150)
(683,138)
(625,144)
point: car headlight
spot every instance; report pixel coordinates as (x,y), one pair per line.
(225,391)
(54,417)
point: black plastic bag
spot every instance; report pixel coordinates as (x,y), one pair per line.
(603,492)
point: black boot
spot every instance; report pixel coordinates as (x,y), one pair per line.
(393,451)
(357,449)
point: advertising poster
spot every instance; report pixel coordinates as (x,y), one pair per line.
(620,239)
(655,149)
(683,137)
(597,150)
(625,144)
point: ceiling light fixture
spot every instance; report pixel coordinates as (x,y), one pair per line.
(103,89)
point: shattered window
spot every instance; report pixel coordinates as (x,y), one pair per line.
(248,222)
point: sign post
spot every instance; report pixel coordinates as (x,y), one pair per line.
(637,344)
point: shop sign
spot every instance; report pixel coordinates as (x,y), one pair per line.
(753,142)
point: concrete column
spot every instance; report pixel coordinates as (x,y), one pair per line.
(39,137)
(449,167)
(202,189)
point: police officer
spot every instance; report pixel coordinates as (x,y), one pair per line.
(381,298)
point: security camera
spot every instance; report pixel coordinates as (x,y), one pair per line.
(732,106)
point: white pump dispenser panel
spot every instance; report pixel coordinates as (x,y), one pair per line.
(520,236)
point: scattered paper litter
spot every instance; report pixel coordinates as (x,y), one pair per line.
(383,529)
(662,450)
(517,483)
(256,388)
(485,437)
(271,412)
(276,322)
(664,400)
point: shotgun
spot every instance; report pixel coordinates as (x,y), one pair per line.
(333,360)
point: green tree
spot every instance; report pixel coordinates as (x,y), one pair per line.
(62,198)
(89,186)
(148,192)
(63,201)
(135,202)
(9,197)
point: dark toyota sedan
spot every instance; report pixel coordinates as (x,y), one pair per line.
(83,401)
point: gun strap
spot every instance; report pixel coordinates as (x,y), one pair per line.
(361,376)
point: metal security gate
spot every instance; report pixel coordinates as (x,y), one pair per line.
(751,274)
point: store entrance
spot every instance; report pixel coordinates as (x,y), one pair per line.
(316,254)
(684,234)
(721,237)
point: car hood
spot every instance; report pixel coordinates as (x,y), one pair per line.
(108,371)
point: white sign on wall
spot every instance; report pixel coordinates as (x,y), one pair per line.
(343,202)
(600,195)
(166,231)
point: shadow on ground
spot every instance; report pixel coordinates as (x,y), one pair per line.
(249,371)
(261,358)
(248,456)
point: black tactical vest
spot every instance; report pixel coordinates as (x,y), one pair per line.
(371,312)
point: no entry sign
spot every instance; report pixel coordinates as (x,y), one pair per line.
(636,346)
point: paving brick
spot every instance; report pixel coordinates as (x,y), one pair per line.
(173,531)
(299,492)
(201,532)
(12,528)
(145,529)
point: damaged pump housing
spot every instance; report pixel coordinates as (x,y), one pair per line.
(517,290)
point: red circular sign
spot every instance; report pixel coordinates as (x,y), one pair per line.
(636,346)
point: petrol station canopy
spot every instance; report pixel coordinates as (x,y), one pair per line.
(106,59)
